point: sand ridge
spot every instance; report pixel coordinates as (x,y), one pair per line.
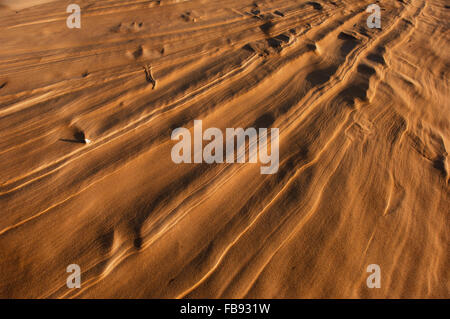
(363,177)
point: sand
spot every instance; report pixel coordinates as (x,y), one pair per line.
(363,178)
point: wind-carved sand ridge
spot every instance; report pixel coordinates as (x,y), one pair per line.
(363,177)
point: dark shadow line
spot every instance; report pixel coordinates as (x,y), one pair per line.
(72,141)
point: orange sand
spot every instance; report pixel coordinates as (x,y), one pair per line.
(364,119)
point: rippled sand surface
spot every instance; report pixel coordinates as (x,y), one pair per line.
(364,122)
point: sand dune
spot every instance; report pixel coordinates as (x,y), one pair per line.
(364,122)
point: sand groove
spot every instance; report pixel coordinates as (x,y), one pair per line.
(364,128)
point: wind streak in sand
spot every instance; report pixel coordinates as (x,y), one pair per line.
(363,174)
(22,4)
